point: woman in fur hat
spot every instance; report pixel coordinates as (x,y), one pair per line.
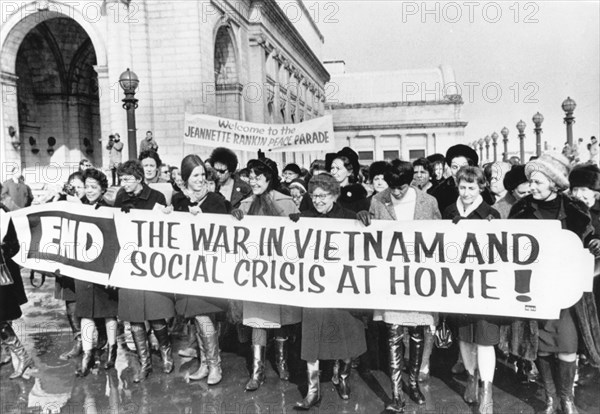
(262,317)
(558,339)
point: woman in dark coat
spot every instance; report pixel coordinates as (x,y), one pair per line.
(195,198)
(557,340)
(138,306)
(344,167)
(12,296)
(96,302)
(478,335)
(319,340)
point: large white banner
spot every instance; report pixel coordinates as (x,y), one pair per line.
(519,268)
(213,131)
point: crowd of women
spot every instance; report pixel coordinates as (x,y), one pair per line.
(450,186)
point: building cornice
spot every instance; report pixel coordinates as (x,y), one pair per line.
(448,101)
(414,125)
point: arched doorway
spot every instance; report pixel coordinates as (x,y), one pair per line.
(57,94)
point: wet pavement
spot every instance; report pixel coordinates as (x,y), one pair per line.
(52,386)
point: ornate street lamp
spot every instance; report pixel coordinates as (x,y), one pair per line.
(569,106)
(129,83)
(487,140)
(537,121)
(521,128)
(504,133)
(495,144)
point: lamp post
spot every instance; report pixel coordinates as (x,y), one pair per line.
(504,133)
(569,106)
(495,144)
(129,83)
(537,121)
(521,128)
(487,140)
(480,142)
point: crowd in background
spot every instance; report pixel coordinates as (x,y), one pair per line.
(451,186)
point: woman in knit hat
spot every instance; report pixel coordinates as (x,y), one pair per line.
(558,339)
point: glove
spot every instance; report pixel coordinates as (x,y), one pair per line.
(364,217)
(57,273)
(294,217)
(594,247)
(490,217)
(126,208)
(237,213)
(456,219)
(97,206)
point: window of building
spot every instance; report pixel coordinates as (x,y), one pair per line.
(416,154)
(391,155)
(365,155)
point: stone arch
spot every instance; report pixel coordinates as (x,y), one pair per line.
(227,74)
(72,85)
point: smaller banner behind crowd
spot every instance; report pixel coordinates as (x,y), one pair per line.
(499,267)
(213,131)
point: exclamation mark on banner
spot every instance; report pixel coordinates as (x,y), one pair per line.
(522,284)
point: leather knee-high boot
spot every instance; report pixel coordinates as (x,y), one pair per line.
(202,371)
(281,358)
(547,368)
(209,343)
(565,378)
(75,323)
(10,339)
(140,338)
(313,395)
(396,361)
(190,351)
(343,385)
(258,368)
(414,364)
(166,352)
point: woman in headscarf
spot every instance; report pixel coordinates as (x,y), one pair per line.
(95,303)
(328,333)
(266,201)
(138,306)
(402,202)
(477,335)
(196,198)
(557,340)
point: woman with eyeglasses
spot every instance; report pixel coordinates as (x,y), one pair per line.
(136,305)
(262,317)
(96,303)
(328,334)
(401,202)
(196,198)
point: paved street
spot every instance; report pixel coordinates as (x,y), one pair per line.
(53,386)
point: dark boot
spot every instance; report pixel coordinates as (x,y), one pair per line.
(396,357)
(486,403)
(258,368)
(9,338)
(75,324)
(112,356)
(414,364)
(190,351)
(427,350)
(281,358)
(140,338)
(313,396)
(162,335)
(87,361)
(343,386)
(471,390)
(547,367)
(565,378)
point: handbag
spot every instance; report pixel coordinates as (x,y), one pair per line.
(442,338)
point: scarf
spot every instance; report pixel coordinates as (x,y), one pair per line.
(263,205)
(465,211)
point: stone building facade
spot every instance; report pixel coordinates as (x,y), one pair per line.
(395,114)
(60,64)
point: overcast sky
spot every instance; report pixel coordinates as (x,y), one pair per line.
(534,53)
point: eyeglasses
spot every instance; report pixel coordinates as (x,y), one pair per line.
(128,179)
(320,197)
(223,171)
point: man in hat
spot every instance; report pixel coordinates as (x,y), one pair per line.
(457,156)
